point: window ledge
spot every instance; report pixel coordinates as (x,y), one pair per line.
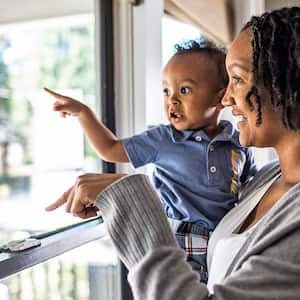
(53,245)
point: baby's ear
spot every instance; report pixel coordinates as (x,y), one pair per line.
(220,96)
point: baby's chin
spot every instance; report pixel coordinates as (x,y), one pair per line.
(179,127)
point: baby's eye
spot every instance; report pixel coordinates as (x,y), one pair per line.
(166,92)
(236,79)
(185,90)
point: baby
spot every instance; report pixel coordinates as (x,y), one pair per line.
(198,161)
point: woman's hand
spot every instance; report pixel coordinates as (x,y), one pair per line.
(81,197)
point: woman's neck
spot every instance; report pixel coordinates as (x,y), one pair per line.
(289,157)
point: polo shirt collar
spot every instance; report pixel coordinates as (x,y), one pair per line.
(181,136)
(226,135)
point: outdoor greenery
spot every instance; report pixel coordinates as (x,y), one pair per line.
(60,58)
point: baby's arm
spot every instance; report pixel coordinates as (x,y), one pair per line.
(107,145)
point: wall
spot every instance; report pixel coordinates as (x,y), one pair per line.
(274,4)
(29,10)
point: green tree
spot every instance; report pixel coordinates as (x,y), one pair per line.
(4,79)
(67,59)
(5,107)
(67,62)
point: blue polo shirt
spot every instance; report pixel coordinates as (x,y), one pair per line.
(197,178)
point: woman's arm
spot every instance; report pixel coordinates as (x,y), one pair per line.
(269,269)
(140,231)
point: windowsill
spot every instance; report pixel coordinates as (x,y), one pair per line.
(52,246)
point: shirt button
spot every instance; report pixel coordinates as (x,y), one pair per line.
(213,169)
(211,148)
(198,138)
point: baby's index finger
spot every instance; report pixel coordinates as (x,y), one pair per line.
(54,94)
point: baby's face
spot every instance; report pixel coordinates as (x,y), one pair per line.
(191,92)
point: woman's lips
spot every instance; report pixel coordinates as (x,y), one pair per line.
(241,120)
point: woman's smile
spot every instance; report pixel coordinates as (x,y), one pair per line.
(241,119)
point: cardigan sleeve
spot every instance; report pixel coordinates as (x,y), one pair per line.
(269,268)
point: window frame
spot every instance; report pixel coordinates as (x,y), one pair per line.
(84,232)
(51,246)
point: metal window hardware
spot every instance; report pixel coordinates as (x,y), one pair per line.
(35,240)
(134,2)
(20,245)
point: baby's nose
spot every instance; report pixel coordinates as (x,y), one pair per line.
(173,100)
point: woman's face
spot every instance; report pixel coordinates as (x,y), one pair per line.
(239,68)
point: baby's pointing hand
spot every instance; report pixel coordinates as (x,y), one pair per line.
(66,106)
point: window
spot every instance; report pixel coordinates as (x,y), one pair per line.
(37,147)
(41,154)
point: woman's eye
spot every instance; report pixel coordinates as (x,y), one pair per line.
(185,90)
(166,92)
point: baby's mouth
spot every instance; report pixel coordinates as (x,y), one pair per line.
(175,115)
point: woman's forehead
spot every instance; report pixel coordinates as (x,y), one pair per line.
(240,51)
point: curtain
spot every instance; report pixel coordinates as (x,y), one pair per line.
(213,17)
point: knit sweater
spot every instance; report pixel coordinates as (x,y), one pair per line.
(267,267)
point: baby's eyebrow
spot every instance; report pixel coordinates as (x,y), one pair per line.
(238,65)
(187,80)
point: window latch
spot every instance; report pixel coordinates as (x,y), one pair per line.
(134,2)
(20,245)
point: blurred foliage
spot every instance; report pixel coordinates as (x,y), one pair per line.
(4,79)
(59,58)
(67,59)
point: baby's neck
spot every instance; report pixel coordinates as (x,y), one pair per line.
(212,131)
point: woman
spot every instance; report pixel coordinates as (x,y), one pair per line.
(254,252)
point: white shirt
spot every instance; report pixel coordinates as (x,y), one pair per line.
(224,243)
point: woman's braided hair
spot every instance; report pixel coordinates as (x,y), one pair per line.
(276,62)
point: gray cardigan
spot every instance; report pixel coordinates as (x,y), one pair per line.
(267,267)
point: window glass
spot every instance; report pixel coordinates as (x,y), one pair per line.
(174,32)
(41,154)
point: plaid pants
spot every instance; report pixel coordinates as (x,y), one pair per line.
(193,239)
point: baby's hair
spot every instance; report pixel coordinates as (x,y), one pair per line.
(276,62)
(205,46)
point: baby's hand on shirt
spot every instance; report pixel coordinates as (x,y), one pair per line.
(66,106)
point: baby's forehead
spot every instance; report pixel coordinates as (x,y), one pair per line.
(192,61)
(194,56)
